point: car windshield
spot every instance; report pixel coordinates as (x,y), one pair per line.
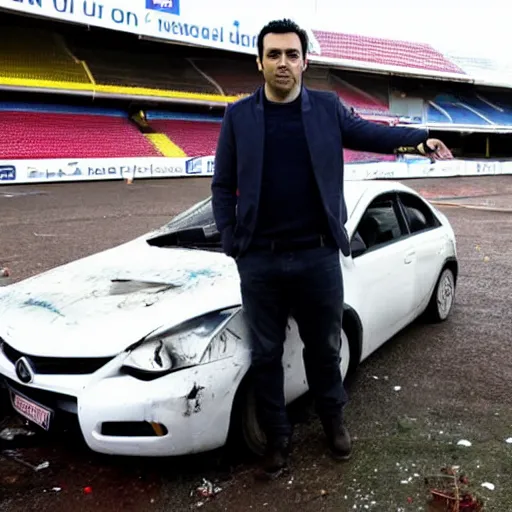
(194,227)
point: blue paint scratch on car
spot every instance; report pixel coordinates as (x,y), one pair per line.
(42,304)
(205,272)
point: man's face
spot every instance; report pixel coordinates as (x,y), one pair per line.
(282,63)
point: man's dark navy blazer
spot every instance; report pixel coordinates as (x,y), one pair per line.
(329,127)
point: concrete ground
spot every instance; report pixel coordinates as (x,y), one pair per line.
(454,378)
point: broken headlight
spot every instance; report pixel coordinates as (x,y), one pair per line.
(150,359)
(197,341)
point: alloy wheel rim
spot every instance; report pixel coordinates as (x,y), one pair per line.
(445,294)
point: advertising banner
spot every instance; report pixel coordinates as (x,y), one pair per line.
(62,170)
(171,20)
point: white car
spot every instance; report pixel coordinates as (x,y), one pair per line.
(145,344)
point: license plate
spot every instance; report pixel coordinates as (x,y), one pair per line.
(34,412)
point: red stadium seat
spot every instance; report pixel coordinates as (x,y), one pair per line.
(38,135)
(388,52)
(196,138)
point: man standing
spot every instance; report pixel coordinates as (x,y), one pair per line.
(278,201)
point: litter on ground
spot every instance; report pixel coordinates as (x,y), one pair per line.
(452,491)
(8,434)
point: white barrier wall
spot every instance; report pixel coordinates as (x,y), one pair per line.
(61,170)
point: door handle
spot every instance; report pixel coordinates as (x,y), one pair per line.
(409,257)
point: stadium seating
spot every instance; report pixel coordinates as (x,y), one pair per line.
(234,76)
(493,108)
(30,132)
(37,55)
(118,67)
(468,110)
(384,51)
(198,135)
(195,135)
(361,101)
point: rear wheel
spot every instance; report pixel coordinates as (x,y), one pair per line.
(443,297)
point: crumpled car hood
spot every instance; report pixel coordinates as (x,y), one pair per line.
(101,304)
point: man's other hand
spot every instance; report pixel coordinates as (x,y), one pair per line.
(435,149)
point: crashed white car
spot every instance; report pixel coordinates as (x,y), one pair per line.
(145,344)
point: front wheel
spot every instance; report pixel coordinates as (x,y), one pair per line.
(252,434)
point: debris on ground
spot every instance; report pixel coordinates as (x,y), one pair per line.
(206,490)
(8,434)
(4,272)
(450,490)
(509,440)
(464,442)
(16,456)
(489,486)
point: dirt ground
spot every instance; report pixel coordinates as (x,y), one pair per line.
(454,378)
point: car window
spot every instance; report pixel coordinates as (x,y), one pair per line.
(378,226)
(418,215)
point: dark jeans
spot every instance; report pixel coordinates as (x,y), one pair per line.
(308,285)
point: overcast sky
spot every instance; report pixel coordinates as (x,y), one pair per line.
(471,27)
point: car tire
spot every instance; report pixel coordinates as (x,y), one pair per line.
(252,435)
(443,297)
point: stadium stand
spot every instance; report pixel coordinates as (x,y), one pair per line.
(233,76)
(497,104)
(137,68)
(195,135)
(493,108)
(240,76)
(384,51)
(198,135)
(38,55)
(361,100)
(469,109)
(133,70)
(45,131)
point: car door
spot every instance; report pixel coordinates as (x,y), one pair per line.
(428,242)
(381,279)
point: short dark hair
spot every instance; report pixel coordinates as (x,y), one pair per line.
(283,26)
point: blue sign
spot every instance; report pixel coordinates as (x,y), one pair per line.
(7,173)
(168,6)
(200,165)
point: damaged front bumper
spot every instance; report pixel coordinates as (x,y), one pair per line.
(184,412)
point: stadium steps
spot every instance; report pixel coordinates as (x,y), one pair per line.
(164,145)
